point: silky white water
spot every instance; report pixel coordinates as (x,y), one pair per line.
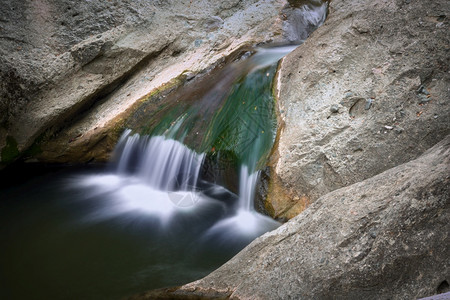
(159,177)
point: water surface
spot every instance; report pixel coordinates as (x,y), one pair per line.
(96,235)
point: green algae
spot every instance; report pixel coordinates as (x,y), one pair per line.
(246,124)
(240,123)
(227,114)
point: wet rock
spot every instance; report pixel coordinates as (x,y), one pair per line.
(355,39)
(388,238)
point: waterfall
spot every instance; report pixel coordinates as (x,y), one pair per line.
(159,173)
(247,184)
(164,164)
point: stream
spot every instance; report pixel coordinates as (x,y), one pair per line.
(174,203)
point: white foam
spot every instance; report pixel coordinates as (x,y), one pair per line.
(243,225)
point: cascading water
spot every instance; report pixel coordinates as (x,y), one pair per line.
(164,165)
(247,185)
(176,202)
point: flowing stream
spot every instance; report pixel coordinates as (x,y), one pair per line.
(174,204)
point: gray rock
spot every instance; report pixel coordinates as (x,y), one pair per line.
(330,250)
(398,130)
(213,23)
(315,157)
(368,104)
(70,71)
(334,108)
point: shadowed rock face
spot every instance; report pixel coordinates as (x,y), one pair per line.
(366,92)
(384,238)
(71,71)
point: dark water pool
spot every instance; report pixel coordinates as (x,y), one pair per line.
(67,235)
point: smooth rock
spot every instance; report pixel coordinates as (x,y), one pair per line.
(315,157)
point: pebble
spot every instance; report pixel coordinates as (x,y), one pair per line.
(422,90)
(334,108)
(388,127)
(368,104)
(398,130)
(197,43)
(423,99)
(189,75)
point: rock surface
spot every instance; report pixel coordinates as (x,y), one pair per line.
(70,70)
(384,238)
(366,92)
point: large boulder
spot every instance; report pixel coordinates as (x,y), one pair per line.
(70,70)
(366,92)
(384,238)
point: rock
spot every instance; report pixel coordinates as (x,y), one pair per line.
(348,61)
(213,23)
(71,72)
(384,238)
(368,104)
(334,108)
(398,130)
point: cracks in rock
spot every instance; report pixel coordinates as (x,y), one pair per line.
(365,235)
(331,135)
(284,238)
(13,39)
